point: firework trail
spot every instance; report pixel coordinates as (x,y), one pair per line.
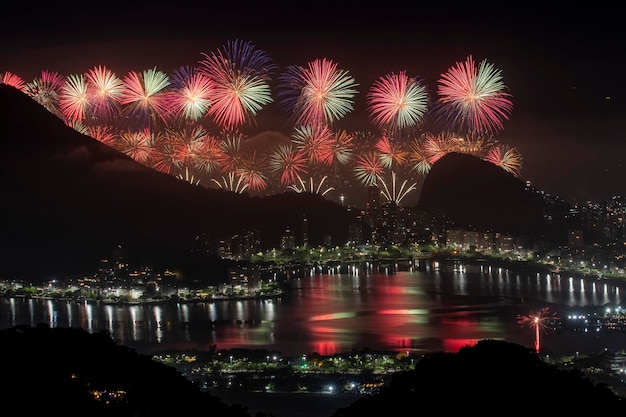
(473,99)
(392,192)
(320,188)
(541,320)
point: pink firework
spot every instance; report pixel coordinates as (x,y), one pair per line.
(368,168)
(45,90)
(13,80)
(206,153)
(239,74)
(289,163)
(473,99)
(253,173)
(506,158)
(542,320)
(436,146)
(319,94)
(316,142)
(138,145)
(397,102)
(391,152)
(146,100)
(192,93)
(105,91)
(73,98)
(232,157)
(104,134)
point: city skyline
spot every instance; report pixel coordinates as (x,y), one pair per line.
(561,69)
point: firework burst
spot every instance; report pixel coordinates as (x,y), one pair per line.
(506,158)
(240,76)
(192,93)
(73,98)
(319,94)
(13,80)
(397,102)
(473,99)
(105,90)
(541,321)
(289,163)
(45,90)
(146,100)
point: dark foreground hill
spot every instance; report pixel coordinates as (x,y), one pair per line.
(71,372)
(491,378)
(68,200)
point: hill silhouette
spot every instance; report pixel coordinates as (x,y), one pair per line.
(478,195)
(490,378)
(74,372)
(69,200)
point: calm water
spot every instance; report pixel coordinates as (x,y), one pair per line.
(418,310)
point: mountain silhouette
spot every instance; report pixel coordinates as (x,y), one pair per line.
(69,200)
(475,194)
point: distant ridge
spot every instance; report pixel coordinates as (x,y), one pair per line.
(68,200)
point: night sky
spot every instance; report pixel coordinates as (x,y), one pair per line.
(564,66)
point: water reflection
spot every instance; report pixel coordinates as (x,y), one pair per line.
(420,309)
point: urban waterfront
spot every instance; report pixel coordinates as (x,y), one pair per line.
(420,309)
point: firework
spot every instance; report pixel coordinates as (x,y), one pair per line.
(105,90)
(205,152)
(541,320)
(320,188)
(320,94)
(341,147)
(192,93)
(316,142)
(368,168)
(138,145)
(436,146)
(13,80)
(391,152)
(392,192)
(396,102)
(289,163)
(254,177)
(73,98)
(188,177)
(231,182)
(416,157)
(473,99)
(240,75)
(45,91)
(146,100)
(506,158)
(103,134)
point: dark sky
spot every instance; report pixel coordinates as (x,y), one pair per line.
(565,66)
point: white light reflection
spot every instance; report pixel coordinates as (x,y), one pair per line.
(158,317)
